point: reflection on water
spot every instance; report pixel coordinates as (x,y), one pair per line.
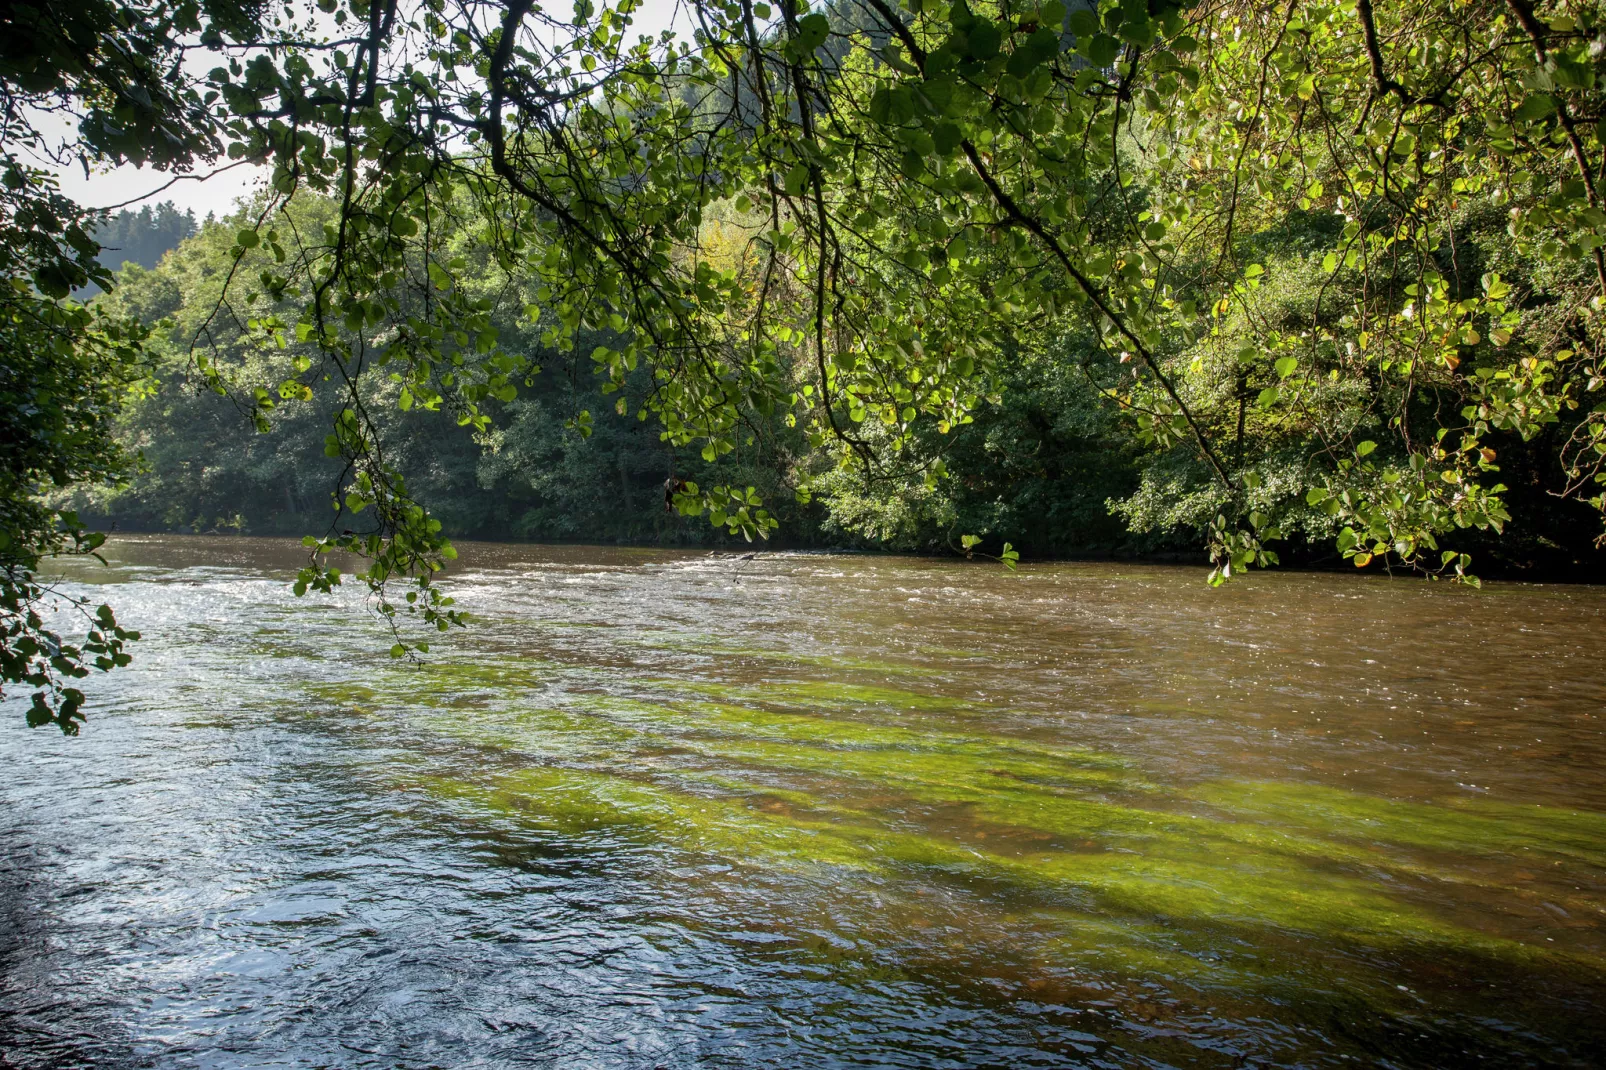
(670,810)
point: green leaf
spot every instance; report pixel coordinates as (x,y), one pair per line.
(1535,106)
(1084,23)
(982,40)
(797,180)
(1138,28)
(1101,50)
(812,31)
(881,106)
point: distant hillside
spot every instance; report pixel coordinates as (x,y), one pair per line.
(144,237)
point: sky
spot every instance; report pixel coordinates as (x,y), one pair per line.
(215,191)
(215,194)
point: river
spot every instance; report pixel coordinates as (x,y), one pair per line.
(661,809)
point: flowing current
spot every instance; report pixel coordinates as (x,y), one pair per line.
(667,809)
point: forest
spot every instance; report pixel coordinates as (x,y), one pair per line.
(1044,465)
(1051,460)
(142,237)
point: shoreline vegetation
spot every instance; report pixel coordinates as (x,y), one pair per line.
(1064,488)
(731,548)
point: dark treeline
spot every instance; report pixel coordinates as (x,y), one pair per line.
(1038,468)
(141,237)
(145,236)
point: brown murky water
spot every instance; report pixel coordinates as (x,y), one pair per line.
(660,809)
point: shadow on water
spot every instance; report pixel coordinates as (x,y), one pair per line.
(40,1022)
(662,809)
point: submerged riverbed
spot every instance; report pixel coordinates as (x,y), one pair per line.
(662,809)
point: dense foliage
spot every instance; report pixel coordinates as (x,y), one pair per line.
(1038,467)
(1321,271)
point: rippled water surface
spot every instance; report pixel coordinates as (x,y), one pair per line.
(662,809)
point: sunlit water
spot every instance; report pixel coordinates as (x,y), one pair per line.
(672,810)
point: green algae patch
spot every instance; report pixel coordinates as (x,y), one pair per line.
(543,733)
(576,801)
(915,750)
(800,779)
(819,694)
(1202,885)
(499,676)
(343,693)
(1471,825)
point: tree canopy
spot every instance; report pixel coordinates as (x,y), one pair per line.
(1335,269)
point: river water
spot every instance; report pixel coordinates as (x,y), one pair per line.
(662,809)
